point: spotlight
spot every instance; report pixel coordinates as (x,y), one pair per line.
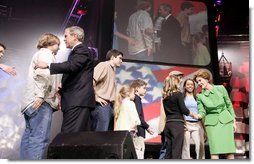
(81,12)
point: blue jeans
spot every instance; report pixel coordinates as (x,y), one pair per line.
(163,147)
(163,151)
(36,135)
(102,118)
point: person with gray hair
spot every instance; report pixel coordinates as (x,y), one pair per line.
(170,35)
(77,93)
(8,69)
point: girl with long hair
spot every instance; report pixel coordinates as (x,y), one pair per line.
(126,116)
(174,106)
(194,128)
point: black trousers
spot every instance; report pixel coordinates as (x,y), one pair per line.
(76,119)
(174,135)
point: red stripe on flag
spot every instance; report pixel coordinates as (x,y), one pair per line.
(152,111)
(156,139)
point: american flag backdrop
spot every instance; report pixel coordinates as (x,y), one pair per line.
(12,122)
(154,75)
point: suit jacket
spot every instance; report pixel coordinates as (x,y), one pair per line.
(170,34)
(77,81)
(143,126)
(215,106)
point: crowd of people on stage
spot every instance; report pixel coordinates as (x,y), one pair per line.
(89,100)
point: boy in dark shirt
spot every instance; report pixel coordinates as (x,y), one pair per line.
(140,90)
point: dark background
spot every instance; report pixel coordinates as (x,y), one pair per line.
(28,19)
(49,15)
(234,17)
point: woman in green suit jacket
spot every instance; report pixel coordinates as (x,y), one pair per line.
(216,110)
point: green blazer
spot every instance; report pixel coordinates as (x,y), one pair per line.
(215,105)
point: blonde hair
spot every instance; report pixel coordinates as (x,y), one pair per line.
(171,84)
(47,39)
(122,94)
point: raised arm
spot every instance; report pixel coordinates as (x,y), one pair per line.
(8,69)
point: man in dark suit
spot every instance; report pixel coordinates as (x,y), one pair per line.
(171,47)
(77,93)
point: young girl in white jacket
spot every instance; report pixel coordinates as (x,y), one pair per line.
(126,116)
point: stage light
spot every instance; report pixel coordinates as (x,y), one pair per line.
(82,12)
(218,2)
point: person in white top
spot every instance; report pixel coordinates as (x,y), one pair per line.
(140,30)
(40,100)
(126,116)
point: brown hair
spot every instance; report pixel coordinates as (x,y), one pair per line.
(184,85)
(186,5)
(113,52)
(2,45)
(138,83)
(143,4)
(47,39)
(202,73)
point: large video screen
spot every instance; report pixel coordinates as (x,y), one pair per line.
(166,31)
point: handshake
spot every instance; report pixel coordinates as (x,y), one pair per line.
(196,116)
